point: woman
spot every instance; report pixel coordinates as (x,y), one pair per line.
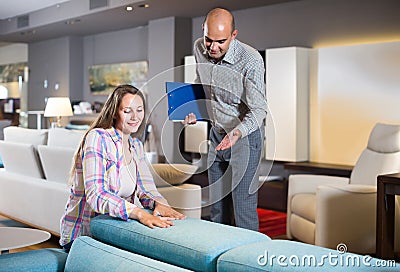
(110,175)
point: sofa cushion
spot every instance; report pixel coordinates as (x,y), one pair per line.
(62,137)
(21,158)
(56,162)
(87,254)
(41,260)
(171,174)
(284,255)
(191,243)
(25,135)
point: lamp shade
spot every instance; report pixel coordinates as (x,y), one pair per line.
(58,106)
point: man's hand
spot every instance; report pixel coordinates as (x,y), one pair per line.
(190,119)
(229,140)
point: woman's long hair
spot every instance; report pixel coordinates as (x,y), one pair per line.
(107,118)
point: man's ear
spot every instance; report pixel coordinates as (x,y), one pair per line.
(234,34)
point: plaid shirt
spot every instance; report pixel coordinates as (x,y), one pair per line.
(97,182)
(236,87)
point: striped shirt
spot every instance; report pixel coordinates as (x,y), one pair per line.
(97,182)
(236,87)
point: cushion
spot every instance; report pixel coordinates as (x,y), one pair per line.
(25,135)
(21,158)
(284,255)
(87,254)
(191,243)
(171,174)
(384,138)
(62,137)
(41,260)
(370,164)
(56,162)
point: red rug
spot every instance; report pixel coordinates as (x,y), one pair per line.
(272,223)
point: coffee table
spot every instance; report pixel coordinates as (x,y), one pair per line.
(13,237)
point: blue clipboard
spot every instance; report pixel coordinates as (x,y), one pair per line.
(185,98)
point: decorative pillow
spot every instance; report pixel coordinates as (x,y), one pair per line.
(25,135)
(56,162)
(21,158)
(171,174)
(61,137)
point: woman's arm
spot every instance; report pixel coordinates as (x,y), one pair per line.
(148,193)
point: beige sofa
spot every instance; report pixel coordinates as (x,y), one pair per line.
(33,182)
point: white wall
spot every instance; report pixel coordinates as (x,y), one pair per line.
(357,86)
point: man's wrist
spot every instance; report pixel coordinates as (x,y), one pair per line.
(237,132)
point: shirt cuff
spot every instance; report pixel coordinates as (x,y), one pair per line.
(242,129)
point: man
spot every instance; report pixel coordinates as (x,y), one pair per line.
(233,74)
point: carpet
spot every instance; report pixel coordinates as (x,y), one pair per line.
(272,223)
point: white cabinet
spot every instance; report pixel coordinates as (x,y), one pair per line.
(196,136)
(287,125)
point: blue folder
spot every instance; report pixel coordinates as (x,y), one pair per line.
(185,98)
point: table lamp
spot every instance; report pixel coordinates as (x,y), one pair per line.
(58,107)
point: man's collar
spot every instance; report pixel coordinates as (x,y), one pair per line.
(230,54)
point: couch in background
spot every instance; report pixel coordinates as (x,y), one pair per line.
(33,184)
(189,245)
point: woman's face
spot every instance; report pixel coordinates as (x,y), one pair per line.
(130,114)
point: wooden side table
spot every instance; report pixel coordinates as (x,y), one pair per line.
(388,188)
(339,170)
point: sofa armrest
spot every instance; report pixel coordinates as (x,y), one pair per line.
(33,201)
(185,198)
(309,183)
(346,214)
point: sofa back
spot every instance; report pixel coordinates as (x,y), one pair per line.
(19,150)
(45,153)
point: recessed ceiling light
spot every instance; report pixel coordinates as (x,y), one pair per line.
(144,6)
(74,21)
(29,32)
(129,8)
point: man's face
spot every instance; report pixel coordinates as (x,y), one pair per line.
(217,38)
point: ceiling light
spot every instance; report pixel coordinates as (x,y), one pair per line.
(129,8)
(144,6)
(74,21)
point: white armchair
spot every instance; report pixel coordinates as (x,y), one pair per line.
(327,210)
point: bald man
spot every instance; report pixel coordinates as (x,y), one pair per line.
(233,75)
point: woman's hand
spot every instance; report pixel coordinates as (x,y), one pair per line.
(167,212)
(150,220)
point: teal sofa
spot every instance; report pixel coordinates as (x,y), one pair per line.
(190,245)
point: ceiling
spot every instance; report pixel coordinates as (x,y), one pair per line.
(48,18)
(12,8)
